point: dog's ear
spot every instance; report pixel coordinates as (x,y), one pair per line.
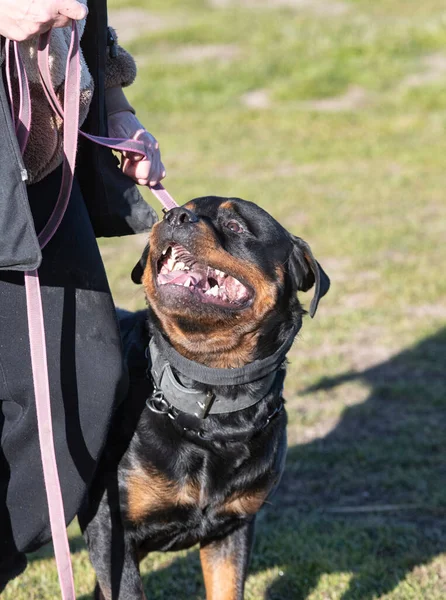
(305,272)
(138,269)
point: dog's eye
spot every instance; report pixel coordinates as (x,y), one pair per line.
(235,227)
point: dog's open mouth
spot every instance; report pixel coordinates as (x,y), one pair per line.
(177,266)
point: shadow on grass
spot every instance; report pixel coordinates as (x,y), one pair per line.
(383,465)
(377,480)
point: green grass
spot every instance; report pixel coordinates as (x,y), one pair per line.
(361,512)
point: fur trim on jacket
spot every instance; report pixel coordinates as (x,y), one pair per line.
(44,151)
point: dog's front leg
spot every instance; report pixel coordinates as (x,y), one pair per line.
(118,576)
(225,564)
(117,572)
(113,555)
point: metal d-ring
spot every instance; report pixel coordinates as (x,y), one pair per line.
(158,404)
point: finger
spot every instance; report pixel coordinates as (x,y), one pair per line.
(137,171)
(133,156)
(156,172)
(124,164)
(142,170)
(61,21)
(147,138)
(128,169)
(72,9)
(139,133)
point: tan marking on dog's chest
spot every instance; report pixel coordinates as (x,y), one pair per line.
(150,491)
(248,503)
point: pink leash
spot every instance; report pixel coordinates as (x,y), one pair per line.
(70,116)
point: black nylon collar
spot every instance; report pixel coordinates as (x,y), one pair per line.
(200,403)
(214,376)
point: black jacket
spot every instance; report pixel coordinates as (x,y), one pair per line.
(114,203)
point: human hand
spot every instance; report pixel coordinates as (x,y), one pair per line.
(143,170)
(23,19)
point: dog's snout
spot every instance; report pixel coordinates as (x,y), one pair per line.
(180,216)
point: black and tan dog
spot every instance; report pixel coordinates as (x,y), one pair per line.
(200,443)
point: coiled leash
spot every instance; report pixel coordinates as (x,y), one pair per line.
(70,116)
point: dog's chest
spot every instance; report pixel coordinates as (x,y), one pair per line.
(173,514)
(151,493)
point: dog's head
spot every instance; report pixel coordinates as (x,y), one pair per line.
(221,277)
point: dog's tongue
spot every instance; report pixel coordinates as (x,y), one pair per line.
(185,278)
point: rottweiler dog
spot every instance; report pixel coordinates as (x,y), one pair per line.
(199,444)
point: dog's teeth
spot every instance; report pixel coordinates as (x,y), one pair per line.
(213,291)
(179,266)
(170,264)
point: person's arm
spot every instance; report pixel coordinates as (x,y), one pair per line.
(123,123)
(120,71)
(23,19)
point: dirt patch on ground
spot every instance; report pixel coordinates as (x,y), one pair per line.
(283,170)
(132,245)
(318,7)
(338,268)
(259,99)
(354,98)
(296,219)
(428,311)
(368,355)
(366,349)
(199,53)
(297,434)
(433,69)
(358,354)
(131,23)
(363,349)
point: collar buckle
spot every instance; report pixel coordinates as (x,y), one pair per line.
(204,405)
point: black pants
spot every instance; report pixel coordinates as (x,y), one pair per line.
(87,377)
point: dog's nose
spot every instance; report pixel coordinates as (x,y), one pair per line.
(180,216)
